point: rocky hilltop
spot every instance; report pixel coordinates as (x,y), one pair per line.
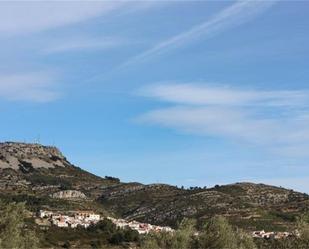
(44,178)
(43,170)
(22,155)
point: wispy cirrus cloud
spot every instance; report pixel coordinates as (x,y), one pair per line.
(232,16)
(84,44)
(34,87)
(26,17)
(212,94)
(275,120)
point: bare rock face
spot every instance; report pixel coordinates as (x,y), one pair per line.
(69,194)
(42,170)
(26,156)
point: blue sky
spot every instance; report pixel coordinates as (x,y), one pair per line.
(182,92)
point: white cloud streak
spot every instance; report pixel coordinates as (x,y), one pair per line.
(32,16)
(34,87)
(195,94)
(83,44)
(22,18)
(275,120)
(234,15)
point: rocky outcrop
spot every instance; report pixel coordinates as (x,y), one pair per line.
(25,156)
(69,194)
(41,170)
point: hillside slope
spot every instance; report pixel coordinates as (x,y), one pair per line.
(252,206)
(44,178)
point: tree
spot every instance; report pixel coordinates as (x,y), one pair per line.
(150,242)
(183,237)
(13,232)
(218,233)
(303,230)
(180,239)
(244,241)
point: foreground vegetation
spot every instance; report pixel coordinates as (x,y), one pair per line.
(217,233)
(14,231)
(18,232)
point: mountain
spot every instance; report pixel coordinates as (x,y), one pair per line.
(44,178)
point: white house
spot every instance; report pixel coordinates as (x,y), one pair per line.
(45,214)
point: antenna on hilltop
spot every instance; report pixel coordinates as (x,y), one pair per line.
(38,139)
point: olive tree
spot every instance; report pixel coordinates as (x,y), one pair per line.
(13,233)
(180,239)
(218,233)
